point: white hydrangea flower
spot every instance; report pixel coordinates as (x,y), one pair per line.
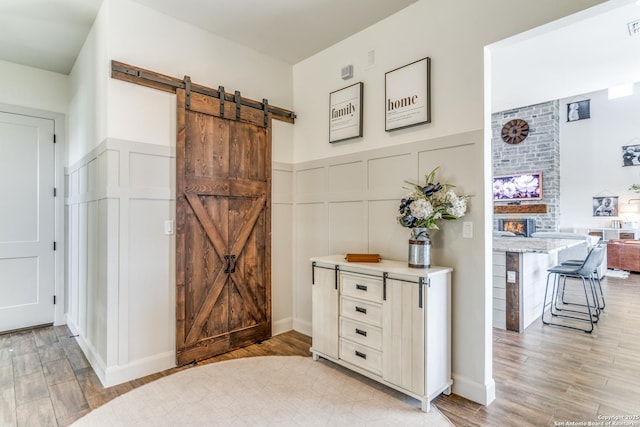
(458,205)
(421,208)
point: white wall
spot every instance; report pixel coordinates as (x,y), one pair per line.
(591,157)
(437,29)
(122,267)
(33,88)
(567,57)
(88,91)
(454,41)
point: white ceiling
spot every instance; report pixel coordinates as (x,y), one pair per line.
(48,34)
(588,51)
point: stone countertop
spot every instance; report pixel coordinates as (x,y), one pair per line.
(533,245)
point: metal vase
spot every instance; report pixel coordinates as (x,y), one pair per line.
(419,248)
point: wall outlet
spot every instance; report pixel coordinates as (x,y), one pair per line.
(467,229)
(511,276)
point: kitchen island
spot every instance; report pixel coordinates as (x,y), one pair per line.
(519,277)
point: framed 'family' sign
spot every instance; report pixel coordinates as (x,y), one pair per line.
(408,95)
(345,113)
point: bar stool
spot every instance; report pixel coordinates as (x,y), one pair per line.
(599,295)
(585,273)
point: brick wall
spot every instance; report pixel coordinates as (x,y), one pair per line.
(539,152)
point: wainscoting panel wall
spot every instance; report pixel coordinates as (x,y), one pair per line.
(281,248)
(349,204)
(121,264)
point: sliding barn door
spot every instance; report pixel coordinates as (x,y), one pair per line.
(223,258)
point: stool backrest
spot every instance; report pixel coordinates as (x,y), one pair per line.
(592,261)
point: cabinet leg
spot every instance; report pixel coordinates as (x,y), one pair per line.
(315,357)
(447,391)
(426,406)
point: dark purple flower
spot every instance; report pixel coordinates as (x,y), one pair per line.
(430,188)
(404,205)
(407,221)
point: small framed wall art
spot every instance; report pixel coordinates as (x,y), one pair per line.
(408,95)
(630,155)
(345,113)
(578,110)
(605,206)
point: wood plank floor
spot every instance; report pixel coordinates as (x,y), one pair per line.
(544,376)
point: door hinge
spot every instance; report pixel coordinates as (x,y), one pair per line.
(54,246)
(55,192)
(54,138)
(54,300)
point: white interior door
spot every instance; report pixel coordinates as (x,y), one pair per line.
(26,221)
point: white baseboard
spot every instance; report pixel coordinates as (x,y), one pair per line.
(139,368)
(282,326)
(113,375)
(302,326)
(96,362)
(483,394)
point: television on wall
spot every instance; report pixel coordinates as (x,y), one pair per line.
(517,187)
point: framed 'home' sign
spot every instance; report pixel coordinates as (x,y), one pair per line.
(408,95)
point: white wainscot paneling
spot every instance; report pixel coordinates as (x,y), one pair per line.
(386,236)
(83,261)
(388,174)
(347,177)
(100,318)
(282,183)
(108,169)
(147,170)
(151,262)
(72,262)
(91,330)
(311,184)
(281,267)
(499,290)
(74,186)
(82,179)
(311,237)
(92,175)
(347,228)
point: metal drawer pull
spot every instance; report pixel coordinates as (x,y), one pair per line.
(361,287)
(364,356)
(361,332)
(361,310)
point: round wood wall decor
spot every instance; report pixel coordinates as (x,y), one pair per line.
(515,131)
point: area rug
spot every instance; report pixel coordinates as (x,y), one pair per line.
(263,391)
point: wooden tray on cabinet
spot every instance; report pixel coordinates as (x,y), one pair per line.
(363,258)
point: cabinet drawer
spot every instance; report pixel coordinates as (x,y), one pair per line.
(363,311)
(365,287)
(361,333)
(361,356)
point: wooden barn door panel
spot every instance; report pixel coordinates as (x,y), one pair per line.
(223,234)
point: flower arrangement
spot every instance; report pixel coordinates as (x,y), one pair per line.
(427,204)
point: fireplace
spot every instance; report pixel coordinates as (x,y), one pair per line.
(522,227)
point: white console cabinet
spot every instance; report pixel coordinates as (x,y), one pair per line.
(385,321)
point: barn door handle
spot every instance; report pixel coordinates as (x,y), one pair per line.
(233,267)
(226,268)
